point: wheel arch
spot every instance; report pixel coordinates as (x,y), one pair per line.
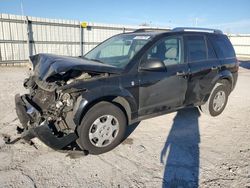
(125,103)
(222,76)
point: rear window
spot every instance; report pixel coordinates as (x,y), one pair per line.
(222,46)
(196,48)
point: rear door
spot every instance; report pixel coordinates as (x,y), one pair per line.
(163,90)
(225,52)
(203,66)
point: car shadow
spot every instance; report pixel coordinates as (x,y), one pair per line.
(245,64)
(180,153)
(130,129)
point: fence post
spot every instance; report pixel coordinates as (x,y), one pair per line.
(81,40)
(28,25)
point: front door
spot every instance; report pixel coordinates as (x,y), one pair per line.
(163,90)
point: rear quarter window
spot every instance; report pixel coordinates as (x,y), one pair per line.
(196,48)
(222,46)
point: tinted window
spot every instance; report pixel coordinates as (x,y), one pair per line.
(196,48)
(222,46)
(167,50)
(210,50)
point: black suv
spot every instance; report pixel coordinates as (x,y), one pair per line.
(89,101)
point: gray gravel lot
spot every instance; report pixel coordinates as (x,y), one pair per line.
(178,149)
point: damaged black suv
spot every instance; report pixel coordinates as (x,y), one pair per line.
(90,100)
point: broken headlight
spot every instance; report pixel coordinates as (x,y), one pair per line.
(67,99)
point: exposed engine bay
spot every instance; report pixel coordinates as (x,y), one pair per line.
(53,103)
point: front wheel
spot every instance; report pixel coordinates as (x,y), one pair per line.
(102,129)
(217,100)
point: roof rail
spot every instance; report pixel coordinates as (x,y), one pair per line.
(151,30)
(197,29)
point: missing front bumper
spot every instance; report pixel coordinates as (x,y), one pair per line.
(29,117)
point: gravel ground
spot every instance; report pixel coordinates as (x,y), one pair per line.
(181,149)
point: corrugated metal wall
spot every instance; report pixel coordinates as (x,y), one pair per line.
(22,36)
(241,44)
(13,38)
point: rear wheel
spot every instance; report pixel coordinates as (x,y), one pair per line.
(217,100)
(102,129)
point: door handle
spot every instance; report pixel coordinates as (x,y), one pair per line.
(181,73)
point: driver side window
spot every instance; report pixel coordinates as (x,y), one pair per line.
(167,50)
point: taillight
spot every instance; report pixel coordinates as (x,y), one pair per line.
(237,62)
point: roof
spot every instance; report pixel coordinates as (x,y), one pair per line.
(151,30)
(178,29)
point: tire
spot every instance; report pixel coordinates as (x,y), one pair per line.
(220,93)
(102,128)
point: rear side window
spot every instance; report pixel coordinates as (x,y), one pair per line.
(222,46)
(196,48)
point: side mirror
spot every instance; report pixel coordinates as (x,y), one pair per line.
(153,65)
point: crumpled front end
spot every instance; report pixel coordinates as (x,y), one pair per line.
(49,127)
(57,84)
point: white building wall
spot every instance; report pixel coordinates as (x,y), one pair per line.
(241,44)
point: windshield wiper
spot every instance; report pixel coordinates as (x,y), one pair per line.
(97,60)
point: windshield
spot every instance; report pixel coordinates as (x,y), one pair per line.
(118,50)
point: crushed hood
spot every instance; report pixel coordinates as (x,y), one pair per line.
(47,65)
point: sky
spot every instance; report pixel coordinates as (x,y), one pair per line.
(230,16)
